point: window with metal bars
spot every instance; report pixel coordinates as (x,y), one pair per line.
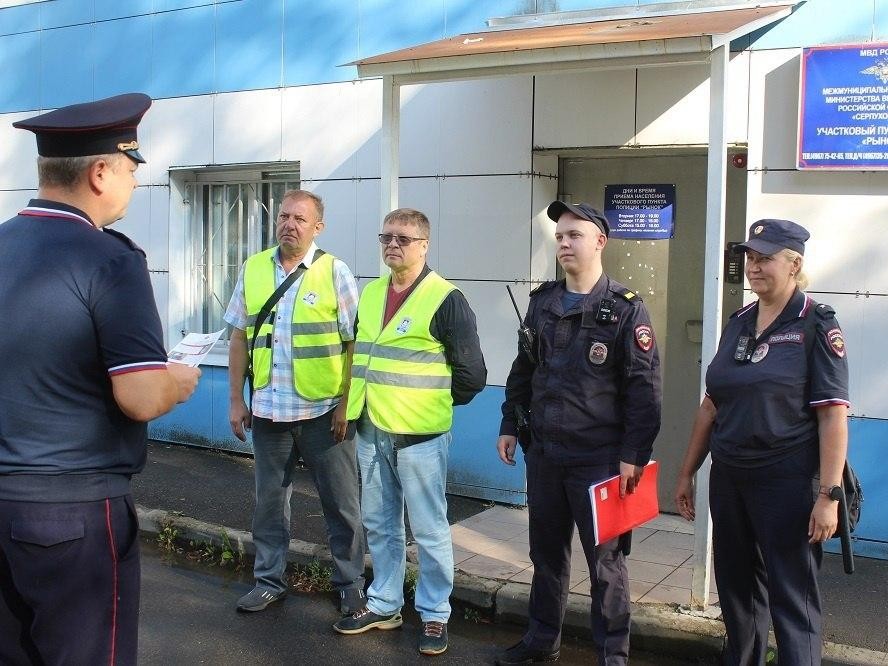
(229,221)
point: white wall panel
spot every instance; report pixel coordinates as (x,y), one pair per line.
(338,236)
(158,247)
(423,194)
(866,357)
(850,312)
(421,130)
(673,103)
(488,232)
(773,108)
(486,125)
(247,127)
(325,126)
(175,132)
(18,157)
(584,109)
(368,224)
(497,324)
(542,231)
(367,101)
(847,215)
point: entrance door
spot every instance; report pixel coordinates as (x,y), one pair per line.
(667,274)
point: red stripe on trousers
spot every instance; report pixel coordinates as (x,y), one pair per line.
(114,585)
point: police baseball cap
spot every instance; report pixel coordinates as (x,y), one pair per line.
(102,127)
(770,236)
(581,210)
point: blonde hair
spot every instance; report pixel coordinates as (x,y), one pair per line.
(800,276)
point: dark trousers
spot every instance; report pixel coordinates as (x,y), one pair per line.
(69,582)
(334,469)
(558,498)
(763,562)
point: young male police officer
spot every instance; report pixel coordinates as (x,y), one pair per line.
(593,393)
(84,368)
(300,356)
(417,355)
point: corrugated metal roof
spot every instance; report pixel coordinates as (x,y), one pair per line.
(636,29)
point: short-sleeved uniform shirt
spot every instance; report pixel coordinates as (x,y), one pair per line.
(765,403)
(594,391)
(78,307)
(279,401)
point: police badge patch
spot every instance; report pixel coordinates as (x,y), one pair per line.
(760,352)
(644,337)
(836,342)
(597,353)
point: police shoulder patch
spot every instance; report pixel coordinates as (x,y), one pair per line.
(836,341)
(644,337)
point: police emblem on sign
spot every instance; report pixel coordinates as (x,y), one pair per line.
(310,298)
(644,337)
(836,342)
(760,352)
(597,353)
(404,325)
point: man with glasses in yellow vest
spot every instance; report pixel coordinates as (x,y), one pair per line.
(293,312)
(417,354)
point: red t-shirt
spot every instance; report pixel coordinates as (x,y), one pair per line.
(393,301)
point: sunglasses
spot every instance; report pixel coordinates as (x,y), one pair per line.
(385,239)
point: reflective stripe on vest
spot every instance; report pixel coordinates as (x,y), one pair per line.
(317,348)
(399,371)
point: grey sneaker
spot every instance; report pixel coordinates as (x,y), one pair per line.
(257,599)
(351,600)
(365,620)
(433,639)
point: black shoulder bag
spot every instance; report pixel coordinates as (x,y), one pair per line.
(265,310)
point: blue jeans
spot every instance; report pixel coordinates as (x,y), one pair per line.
(417,475)
(334,471)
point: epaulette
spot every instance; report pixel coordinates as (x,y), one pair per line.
(124,239)
(543,287)
(824,311)
(626,294)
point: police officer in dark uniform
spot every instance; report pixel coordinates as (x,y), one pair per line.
(591,386)
(84,369)
(774,417)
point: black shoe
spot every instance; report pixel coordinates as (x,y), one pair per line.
(258,599)
(521,654)
(365,620)
(351,600)
(433,639)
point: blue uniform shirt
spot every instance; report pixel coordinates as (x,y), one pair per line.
(765,405)
(78,308)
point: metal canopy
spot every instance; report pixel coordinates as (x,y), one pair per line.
(637,40)
(640,36)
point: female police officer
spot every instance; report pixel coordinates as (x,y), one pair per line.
(774,413)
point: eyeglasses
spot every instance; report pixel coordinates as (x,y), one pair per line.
(385,239)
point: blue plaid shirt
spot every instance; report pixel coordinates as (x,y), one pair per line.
(278,400)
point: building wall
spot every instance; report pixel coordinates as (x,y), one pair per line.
(241,81)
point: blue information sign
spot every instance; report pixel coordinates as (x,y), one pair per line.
(641,212)
(843,107)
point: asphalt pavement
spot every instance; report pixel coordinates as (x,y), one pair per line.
(188,617)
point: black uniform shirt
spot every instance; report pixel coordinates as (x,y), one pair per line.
(78,307)
(594,393)
(765,405)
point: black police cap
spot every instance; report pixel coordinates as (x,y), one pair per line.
(102,127)
(771,236)
(581,210)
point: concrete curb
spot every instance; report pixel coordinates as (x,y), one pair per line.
(655,628)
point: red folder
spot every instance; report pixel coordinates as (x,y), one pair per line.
(612,516)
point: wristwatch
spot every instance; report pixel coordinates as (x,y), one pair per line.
(833,492)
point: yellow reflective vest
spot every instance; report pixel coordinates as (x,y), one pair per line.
(318,350)
(399,371)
